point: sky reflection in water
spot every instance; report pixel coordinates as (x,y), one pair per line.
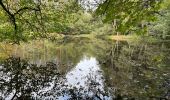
(82,70)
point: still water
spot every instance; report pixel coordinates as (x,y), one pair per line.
(84,69)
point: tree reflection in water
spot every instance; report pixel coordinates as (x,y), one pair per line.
(139,72)
(130,71)
(21,80)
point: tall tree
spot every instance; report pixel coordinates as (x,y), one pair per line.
(129,15)
(24,19)
(18,15)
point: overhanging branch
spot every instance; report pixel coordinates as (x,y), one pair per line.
(25,8)
(13,18)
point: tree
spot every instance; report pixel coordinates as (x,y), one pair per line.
(160,28)
(129,15)
(18,17)
(27,19)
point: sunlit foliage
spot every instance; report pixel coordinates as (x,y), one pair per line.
(129,15)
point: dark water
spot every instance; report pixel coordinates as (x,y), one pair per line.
(86,69)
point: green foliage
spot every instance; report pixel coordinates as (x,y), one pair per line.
(160,28)
(129,14)
(26,20)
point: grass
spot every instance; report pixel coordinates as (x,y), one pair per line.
(133,38)
(123,37)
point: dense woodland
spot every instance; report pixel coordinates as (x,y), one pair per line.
(22,20)
(84,49)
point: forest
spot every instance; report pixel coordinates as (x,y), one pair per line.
(84,49)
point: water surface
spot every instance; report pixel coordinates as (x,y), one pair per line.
(86,69)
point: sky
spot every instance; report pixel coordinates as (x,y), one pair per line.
(90,4)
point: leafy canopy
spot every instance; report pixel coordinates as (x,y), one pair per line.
(29,19)
(129,14)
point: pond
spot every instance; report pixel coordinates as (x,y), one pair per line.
(85,69)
